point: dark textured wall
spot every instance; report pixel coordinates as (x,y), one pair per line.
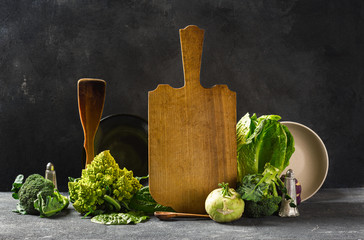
(303,60)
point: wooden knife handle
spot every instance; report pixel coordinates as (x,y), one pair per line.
(191,46)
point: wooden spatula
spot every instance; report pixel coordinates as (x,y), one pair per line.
(192,143)
(91,98)
(168,215)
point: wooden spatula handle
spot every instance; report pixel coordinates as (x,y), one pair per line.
(91,98)
(169,215)
(191,45)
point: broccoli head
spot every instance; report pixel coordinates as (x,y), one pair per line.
(102,186)
(267,206)
(28,192)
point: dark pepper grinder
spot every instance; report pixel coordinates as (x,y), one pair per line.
(286,209)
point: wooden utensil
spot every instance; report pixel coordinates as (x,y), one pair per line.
(91,98)
(169,215)
(192,136)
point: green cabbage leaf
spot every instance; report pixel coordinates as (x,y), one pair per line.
(120,218)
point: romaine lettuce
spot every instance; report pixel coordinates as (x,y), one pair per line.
(262,140)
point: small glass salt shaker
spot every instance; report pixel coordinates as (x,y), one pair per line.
(50,174)
(286,210)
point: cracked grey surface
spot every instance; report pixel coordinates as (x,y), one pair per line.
(330,214)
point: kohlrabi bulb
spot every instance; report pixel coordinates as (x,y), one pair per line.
(224,204)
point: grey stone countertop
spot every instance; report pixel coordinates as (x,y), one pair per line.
(329,214)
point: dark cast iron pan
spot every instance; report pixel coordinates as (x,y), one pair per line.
(126,136)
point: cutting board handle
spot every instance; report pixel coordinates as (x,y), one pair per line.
(191,46)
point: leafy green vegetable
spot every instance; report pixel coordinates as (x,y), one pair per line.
(262,140)
(260,192)
(103,186)
(17,185)
(120,218)
(38,196)
(256,186)
(28,192)
(264,149)
(49,205)
(143,201)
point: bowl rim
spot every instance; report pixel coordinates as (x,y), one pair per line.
(123,115)
(322,146)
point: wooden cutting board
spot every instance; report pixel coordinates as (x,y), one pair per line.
(192,136)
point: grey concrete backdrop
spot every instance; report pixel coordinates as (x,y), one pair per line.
(303,60)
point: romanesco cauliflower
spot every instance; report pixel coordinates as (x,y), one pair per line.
(102,186)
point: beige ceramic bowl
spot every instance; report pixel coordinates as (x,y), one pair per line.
(310,161)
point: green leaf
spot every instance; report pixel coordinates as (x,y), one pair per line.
(140,178)
(20,209)
(255,187)
(244,128)
(113,202)
(120,218)
(225,189)
(71,179)
(18,182)
(143,201)
(250,190)
(273,146)
(50,205)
